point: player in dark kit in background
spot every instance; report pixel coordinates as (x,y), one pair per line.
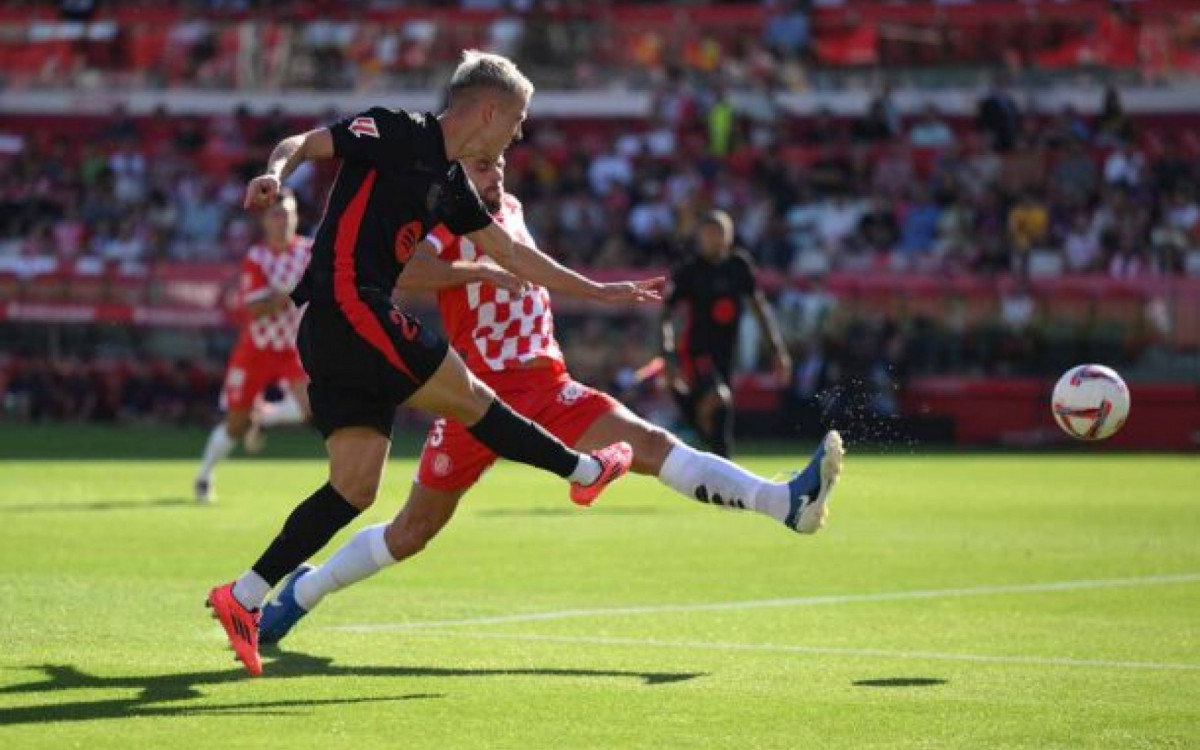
(713,286)
(400,176)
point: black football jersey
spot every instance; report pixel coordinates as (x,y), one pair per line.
(394,185)
(714,295)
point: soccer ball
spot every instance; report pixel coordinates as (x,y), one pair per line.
(1091,402)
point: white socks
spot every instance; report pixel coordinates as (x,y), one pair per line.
(251,590)
(218,448)
(712,479)
(363,556)
(287,411)
(587,471)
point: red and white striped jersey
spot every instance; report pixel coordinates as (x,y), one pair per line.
(489,327)
(266,273)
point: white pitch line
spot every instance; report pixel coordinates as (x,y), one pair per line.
(824,650)
(801,601)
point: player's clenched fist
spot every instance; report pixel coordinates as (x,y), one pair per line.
(261,192)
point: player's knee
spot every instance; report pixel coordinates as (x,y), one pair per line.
(358,491)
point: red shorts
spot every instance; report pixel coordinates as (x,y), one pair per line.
(453,459)
(252,370)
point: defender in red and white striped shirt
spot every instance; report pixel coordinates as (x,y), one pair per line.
(265,352)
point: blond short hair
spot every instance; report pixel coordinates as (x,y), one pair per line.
(484,70)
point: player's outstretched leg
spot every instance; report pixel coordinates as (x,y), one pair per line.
(801,503)
(455,393)
(371,550)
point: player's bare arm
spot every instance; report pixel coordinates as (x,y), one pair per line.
(770,329)
(427,273)
(533,265)
(290,153)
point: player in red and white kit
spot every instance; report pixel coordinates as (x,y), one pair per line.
(265,353)
(504,331)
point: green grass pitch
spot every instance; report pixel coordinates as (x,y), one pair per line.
(955,601)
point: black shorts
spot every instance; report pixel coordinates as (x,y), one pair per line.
(363,362)
(703,374)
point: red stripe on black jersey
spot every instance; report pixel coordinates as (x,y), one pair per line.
(345,288)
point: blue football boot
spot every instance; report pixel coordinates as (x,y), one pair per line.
(810,489)
(282,613)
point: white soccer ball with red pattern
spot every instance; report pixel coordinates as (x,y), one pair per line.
(1091,402)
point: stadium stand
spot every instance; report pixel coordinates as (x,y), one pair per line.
(904,232)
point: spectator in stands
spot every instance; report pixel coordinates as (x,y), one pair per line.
(837,224)
(1075,173)
(1174,235)
(1172,170)
(881,121)
(1125,166)
(787,32)
(878,232)
(1028,222)
(919,228)
(999,116)
(954,246)
(1081,247)
(822,129)
(1025,168)
(720,120)
(610,171)
(190,136)
(930,130)
(1068,127)
(651,221)
(128,166)
(894,170)
(1113,126)
(833,172)
(201,219)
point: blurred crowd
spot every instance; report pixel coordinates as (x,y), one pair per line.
(1005,191)
(390,44)
(83,389)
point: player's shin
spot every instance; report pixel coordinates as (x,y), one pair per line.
(220,444)
(309,528)
(516,438)
(712,479)
(361,557)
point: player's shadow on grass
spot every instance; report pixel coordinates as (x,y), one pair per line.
(183,686)
(96,506)
(892,682)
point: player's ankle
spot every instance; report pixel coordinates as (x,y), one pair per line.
(588,471)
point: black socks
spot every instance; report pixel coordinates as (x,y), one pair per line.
(518,439)
(309,528)
(722,434)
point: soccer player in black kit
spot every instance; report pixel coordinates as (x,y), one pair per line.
(713,286)
(400,176)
